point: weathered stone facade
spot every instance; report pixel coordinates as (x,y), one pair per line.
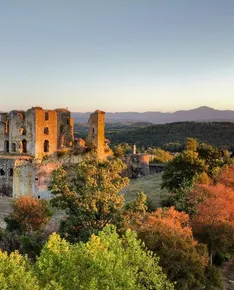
(6,176)
(27,137)
(96,136)
(137,165)
(13,178)
(36,132)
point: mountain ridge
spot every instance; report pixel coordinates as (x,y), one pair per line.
(203,114)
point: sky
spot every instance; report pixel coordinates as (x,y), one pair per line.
(117,55)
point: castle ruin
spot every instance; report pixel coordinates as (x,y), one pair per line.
(30,141)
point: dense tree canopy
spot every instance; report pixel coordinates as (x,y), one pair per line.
(99,252)
(173,135)
(25,231)
(105,262)
(122,149)
(182,171)
(29,214)
(168,234)
(198,163)
(16,273)
(213,216)
(226,176)
(159,155)
(90,198)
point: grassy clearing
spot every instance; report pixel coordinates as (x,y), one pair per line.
(150,185)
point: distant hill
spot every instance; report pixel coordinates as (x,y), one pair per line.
(81,129)
(201,114)
(219,134)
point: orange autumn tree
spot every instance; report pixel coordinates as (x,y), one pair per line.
(213,219)
(226,176)
(29,214)
(168,234)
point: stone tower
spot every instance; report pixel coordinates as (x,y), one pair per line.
(96,136)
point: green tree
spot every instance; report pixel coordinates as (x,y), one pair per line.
(202,163)
(105,262)
(191,144)
(160,155)
(118,151)
(90,197)
(121,149)
(182,171)
(214,158)
(16,273)
(135,210)
(173,147)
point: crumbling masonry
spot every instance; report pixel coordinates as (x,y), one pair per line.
(29,138)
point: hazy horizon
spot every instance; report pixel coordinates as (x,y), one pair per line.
(88,112)
(134,56)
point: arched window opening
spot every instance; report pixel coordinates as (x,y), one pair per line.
(93,130)
(11,172)
(46,146)
(2,172)
(23,131)
(24,146)
(6,146)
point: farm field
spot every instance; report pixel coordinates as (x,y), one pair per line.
(150,185)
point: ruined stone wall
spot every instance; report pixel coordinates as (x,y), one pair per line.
(33,134)
(24,178)
(65,128)
(144,163)
(138,165)
(156,168)
(16,128)
(33,179)
(28,131)
(96,135)
(21,126)
(45,131)
(3,134)
(43,174)
(6,176)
